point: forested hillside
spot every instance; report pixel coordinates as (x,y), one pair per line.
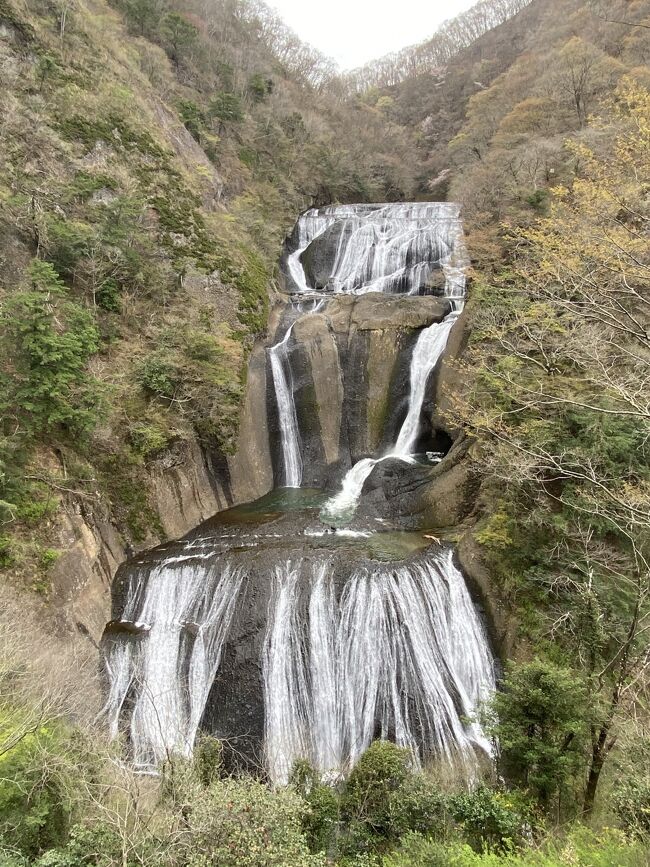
(154,155)
(152,163)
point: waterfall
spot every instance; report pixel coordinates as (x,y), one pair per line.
(400,653)
(392,248)
(336,649)
(428,349)
(437,232)
(184,607)
(287,419)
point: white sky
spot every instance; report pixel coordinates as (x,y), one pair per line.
(356,31)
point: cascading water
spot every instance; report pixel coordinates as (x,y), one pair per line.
(338,647)
(400,653)
(182,608)
(288,421)
(436,231)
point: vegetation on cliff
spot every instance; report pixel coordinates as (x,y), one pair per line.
(153,158)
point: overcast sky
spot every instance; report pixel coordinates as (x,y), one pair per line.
(355,31)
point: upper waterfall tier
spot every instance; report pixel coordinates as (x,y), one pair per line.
(392,248)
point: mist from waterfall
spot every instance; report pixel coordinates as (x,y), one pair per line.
(399,653)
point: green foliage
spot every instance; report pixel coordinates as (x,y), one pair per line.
(121,478)
(488,819)
(243,823)
(541,720)
(208,759)
(48,341)
(83,185)
(66,241)
(259,87)
(416,850)
(47,69)
(226,107)
(631,799)
(35,808)
(7,555)
(48,558)
(108,296)
(192,117)
(158,375)
(148,437)
(179,36)
(112,129)
(36,503)
(95,844)
(143,16)
(381,800)
(320,821)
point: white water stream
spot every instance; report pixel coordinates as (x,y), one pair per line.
(288,420)
(184,607)
(400,653)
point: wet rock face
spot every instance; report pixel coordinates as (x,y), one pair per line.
(319,257)
(349,369)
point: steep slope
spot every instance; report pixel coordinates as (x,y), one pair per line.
(152,162)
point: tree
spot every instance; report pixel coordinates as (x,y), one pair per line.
(541,726)
(579,73)
(226,107)
(143,16)
(47,341)
(179,36)
(560,392)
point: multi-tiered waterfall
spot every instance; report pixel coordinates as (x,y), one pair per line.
(278,625)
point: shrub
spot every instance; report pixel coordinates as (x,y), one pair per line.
(320,821)
(158,375)
(487,818)
(632,804)
(259,87)
(243,823)
(7,554)
(49,341)
(418,851)
(35,807)
(208,759)
(371,814)
(226,107)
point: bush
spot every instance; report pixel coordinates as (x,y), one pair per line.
(383,800)
(208,759)
(226,107)
(418,851)
(632,805)
(158,375)
(35,807)
(49,341)
(487,818)
(320,822)
(243,823)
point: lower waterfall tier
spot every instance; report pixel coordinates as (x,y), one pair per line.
(291,640)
